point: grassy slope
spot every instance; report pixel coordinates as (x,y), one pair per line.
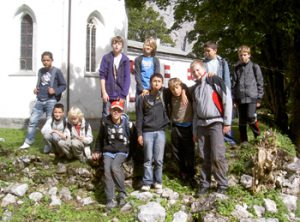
(73,212)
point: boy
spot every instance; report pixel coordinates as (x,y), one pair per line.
(217,65)
(55,130)
(81,138)
(145,65)
(247,92)
(50,86)
(212,106)
(113,144)
(114,75)
(151,122)
(181,116)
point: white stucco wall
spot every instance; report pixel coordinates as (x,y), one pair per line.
(50,18)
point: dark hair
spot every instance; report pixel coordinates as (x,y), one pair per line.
(47,53)
(158,75)
(210,44)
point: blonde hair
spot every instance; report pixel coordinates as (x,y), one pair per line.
(117,39)
(174,82)
(152,42)
(75,111)
(197,61)
(244,49)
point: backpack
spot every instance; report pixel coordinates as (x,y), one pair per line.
(53,72)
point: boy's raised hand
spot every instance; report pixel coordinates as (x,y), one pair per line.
(36,91)
(51,91)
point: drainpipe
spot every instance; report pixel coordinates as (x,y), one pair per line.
(68,56)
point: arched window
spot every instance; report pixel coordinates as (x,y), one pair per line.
(91,46)
(26,43)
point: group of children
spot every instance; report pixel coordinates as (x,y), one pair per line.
(201,114)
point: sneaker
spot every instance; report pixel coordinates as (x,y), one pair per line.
(24,146)
(145,188)
(47,149)
(157,186)
(202,191)
(111,204)
(87,152)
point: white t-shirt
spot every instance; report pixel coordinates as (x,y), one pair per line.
(212,66)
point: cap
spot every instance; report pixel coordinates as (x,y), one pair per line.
(117,104)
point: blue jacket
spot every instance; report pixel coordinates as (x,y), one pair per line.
(115,88)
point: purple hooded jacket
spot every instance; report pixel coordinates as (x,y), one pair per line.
(116,88)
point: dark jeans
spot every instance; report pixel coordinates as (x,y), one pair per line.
(247,115)
(212,153)
(183,149)
(114,175)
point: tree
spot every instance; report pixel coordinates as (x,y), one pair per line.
(271,28)
(144,22)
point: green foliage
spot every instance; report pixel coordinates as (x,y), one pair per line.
(144,22)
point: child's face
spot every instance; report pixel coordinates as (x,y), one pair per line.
(47,62)
(58,113)
(75,120)
(210,53)
(147,49)
(117,47)
(244,57)
(176,90)
(198,71)
(156,83)
(116,114)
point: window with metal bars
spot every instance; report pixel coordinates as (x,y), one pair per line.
(26,43)
(91,47)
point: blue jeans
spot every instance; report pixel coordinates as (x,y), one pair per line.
(154,147)
(40,107)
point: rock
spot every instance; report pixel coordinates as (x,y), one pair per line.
(8,199)
(61,168)
(290,202)
(151,212)
(55,201)
(65,194)
(241,212)
(270,205)
(294,167)
(7,216)
(126,208)
(259,210)
(246,181)
(210,217)
(52,191)
(36,196)
(145,196)
(19,189)
(87,201)
(180,216)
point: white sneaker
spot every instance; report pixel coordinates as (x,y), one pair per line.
(87,152)
(47,149)
(157,186)
(145,188)
(24,146)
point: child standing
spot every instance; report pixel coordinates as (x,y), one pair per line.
(247,92)
(145,65)
(113,144)
(212,107)
(50,86)
(55,130)
(181,116)
(151,122)
(78,145)
(114,75)
(217,65)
